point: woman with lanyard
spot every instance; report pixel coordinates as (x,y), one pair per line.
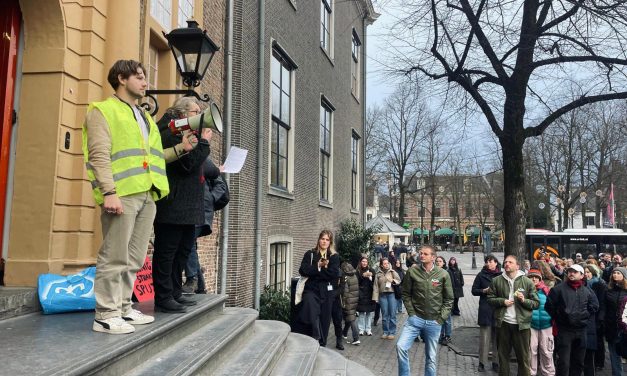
(322,267)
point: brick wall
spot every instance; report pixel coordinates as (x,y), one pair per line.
(300,218)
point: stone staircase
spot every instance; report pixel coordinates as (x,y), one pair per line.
(207,340)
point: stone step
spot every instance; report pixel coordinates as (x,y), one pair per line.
(17,301)
(259,355)
(64,344)
(331,363)
(201,352)
(298,358)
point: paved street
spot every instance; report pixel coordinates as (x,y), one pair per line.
(379,355)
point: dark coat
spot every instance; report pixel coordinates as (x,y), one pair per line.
(350,293)
(613,297)
(457,278)
(595,325)
(483,281)
(316,290)
(366,288)
(572,309)
(184,205)
(210,173)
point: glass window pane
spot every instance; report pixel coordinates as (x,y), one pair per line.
(276,71)
(282,142)
(286,80)
(276,101)
(285,109)
(282,181)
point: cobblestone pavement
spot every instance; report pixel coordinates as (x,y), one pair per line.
(379,355)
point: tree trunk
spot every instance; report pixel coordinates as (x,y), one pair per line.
(515,207)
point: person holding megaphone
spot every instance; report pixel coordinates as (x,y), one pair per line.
(179,213)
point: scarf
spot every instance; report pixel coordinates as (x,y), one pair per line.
(540,286)
(575,284)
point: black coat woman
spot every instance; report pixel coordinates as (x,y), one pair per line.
(458,284)
(322,267)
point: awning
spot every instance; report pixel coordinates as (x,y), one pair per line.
(444,231)
(418,231)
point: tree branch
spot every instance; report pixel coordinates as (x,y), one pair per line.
(572,59)
(584,100)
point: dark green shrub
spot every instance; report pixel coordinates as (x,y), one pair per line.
(353,239)
(274,305)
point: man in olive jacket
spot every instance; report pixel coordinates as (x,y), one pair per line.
(513,297)
(428,297)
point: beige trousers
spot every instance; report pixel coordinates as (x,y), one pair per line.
(542,346)
(122,254)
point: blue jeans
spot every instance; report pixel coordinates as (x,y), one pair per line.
(388,311)
(447,327)
(365,321)
(429,330)
(399,305)
(192,269)
(617,366)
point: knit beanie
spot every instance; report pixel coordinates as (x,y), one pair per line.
(622,271)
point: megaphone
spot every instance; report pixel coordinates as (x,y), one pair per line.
(209,118)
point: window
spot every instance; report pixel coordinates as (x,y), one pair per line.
(452,209)
(355,71)
(326,121)
(355,171)
(186,12)
(437,212)
(468,208)
(281,119)
(325,25)
(153,67)
(278,266)
(421,211)
(589,221)
(161,10)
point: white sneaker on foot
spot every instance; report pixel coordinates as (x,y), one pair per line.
(113,325)
(135,317)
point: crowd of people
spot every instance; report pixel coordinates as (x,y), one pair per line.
(559,317)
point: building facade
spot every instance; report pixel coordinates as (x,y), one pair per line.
(300,114)
(59,54)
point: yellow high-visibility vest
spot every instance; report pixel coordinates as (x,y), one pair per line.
(137,166)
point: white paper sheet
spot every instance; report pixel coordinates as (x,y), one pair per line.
(235,160)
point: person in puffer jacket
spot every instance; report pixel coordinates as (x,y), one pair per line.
(350,297)
(541,330)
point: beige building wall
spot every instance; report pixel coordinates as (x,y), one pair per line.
(69,47)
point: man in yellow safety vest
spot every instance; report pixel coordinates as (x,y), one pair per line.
(126,168)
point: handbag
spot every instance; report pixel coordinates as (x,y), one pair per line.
(300,285)
(71,293)
(220,192)
(398,292)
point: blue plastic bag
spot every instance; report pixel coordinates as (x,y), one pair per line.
(59,294)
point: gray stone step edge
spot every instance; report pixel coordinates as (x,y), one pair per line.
(329,362)
(18,301)
(259,355)
(204,350)
(140,347)
(298,358)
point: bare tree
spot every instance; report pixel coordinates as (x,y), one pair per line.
(400,131)
(501,58)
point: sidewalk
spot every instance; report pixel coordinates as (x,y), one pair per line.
(379,355)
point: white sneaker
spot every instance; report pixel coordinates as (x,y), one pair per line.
(113,325)
(135,317)
(369,333)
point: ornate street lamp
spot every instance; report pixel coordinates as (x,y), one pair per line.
(193,51)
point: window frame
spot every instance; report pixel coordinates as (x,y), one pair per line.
(326,151)
(278,271)
(326,26)
(355,64)
(279,124)
(355,170)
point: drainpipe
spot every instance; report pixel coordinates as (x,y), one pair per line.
(228,100)
(260,137)
(363,124)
